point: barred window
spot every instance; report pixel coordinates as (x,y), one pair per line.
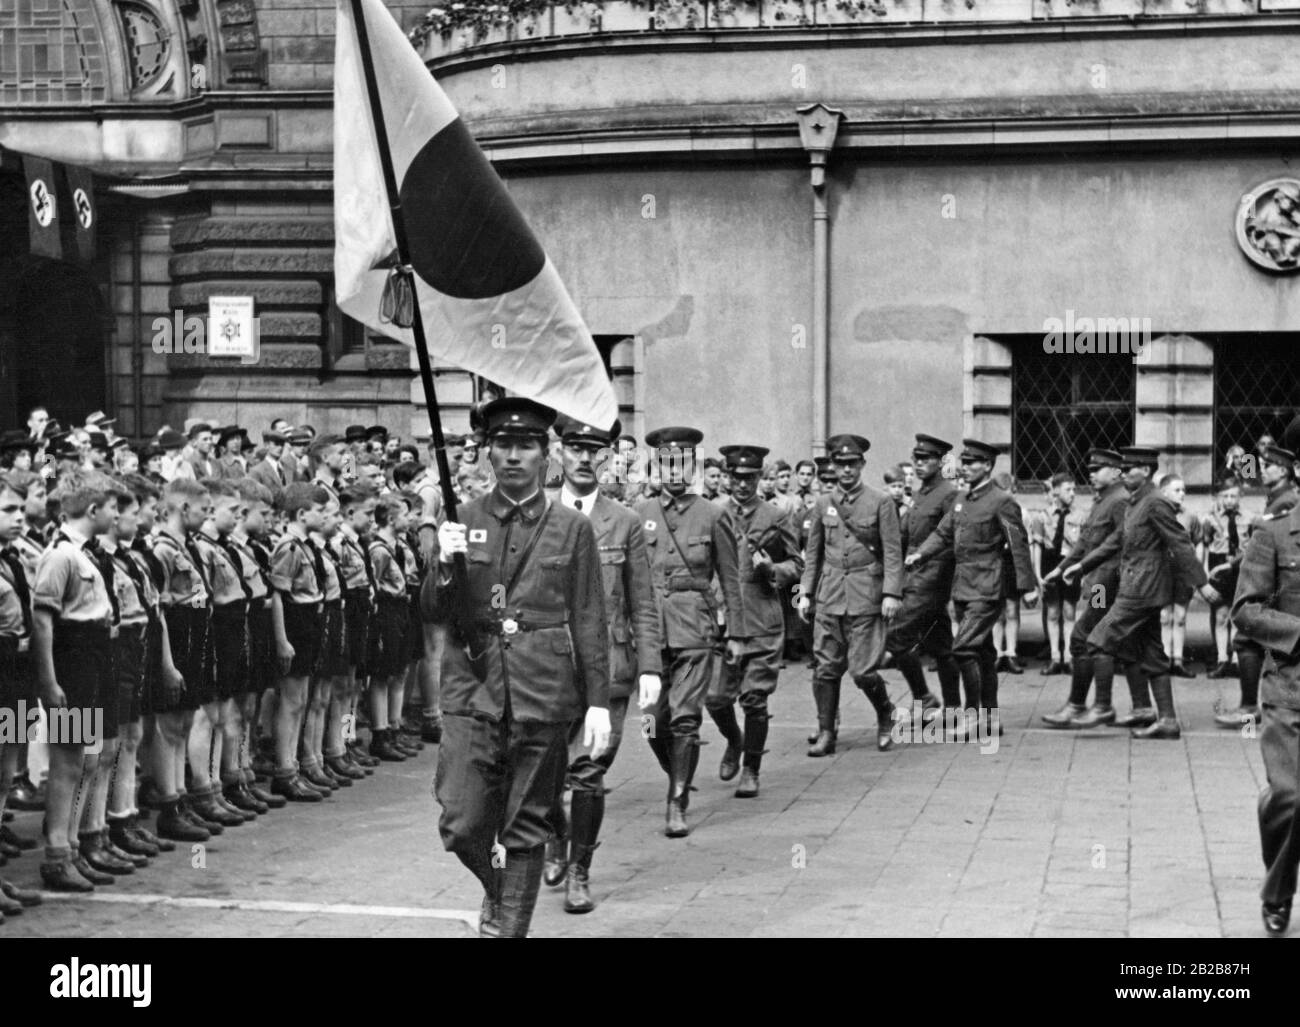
(1256,389)
(1062,405)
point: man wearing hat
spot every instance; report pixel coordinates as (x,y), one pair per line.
(691,543)
(231,444)
(1266,611)
(634,653)
(1277,471)
(270,471)
(976,530)
(827,476)
(530,656)
(1156,561)
(854,571)
(767,560)
(294,457)
(1096,591)
(922,622)
(203,463)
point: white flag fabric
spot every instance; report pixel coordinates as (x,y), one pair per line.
(491,300)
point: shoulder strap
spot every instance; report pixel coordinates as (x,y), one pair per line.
(663,513)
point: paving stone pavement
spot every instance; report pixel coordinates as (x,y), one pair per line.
(1055,834)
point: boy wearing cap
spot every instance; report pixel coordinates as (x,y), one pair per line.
(854,571)
(921,623)
(634,654)
(1157,562)
(767,560)
(1105,521)
(531,653)
(1266,611)
(691,542)
(978,527)
(1277,471)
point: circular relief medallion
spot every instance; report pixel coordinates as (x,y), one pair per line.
(1268,225)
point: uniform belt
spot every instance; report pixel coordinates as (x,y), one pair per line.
(494,627)
(689,585)
(194,603)
(68,630)
(230,609)
(334,604)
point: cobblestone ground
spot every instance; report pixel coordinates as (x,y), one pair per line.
(1054,834)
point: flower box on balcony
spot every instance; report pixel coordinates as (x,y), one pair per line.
(734,14)
(678,14)
(981,10)
(577,20)
(435,45)
(1192,8)
(786,13)
(853,12)
(621,16)
(531,26)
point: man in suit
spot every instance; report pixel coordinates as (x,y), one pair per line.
(980,525)
(1156,557)
(203,463)
(270,471)
(767,561)
(691,542)
(854,570)
(1267,612)
(634,654)
(1096,591)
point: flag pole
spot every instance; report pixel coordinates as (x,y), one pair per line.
(404,262)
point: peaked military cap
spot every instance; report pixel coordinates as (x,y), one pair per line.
(931,446)
(1104,458)
(1278,455)
(744,459)
(517,415)
(975,449)
(674,438)
(575,431)
(825,472)
(1139,456)
(845,446)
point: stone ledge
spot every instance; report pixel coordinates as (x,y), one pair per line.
(236,230)
(250,261)
(265,293)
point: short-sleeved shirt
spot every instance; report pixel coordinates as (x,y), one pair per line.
(1041,525)
(69,585)
(221,570)
(352,560)
(183,583)
(333,585)
(1214,531)
(293,570)
(254,579)
(11,607)
(132,599)
(390,578)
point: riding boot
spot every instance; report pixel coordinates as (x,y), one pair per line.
(949,680)
(1251,662)
(683,756)
(755,742)
(909,665)
(825,696)
(725,718)
(660,740)
(873,686)
(971,679)
(588,812)
(521,879)
(1166,727)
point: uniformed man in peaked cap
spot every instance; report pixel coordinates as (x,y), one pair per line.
(529,656)
(691,542)
(854,572)
(976,530)
(1157,561)
(1097,590)
(922,623)
(767,558)
(635,648)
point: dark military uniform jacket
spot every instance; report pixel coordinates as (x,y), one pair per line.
(691,542)
(930,504)
(630,606)
(1106,518)
(980,525)
(762,525)
(541,622)
(855,552)
(1267,605)
(1157,560)
(1279,501)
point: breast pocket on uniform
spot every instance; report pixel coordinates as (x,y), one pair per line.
(555,564)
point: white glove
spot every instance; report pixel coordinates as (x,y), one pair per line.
(451,540)
(595,730)
(650,686)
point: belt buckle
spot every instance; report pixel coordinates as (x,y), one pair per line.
(509,626)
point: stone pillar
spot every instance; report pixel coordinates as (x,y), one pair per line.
(1175,406)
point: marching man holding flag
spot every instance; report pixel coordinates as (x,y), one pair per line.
(426,235)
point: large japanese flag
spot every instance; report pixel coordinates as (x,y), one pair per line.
(491,300)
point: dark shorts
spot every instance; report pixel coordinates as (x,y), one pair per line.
(389,646)
(333,660)
(190,632)
(15,676)
(261,647)
(303,625)
(415,638)
(83,668)
(129,661)
(230,650)
(358,612)
(1058,591)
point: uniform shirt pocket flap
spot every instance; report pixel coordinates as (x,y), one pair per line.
(560,643)
(613,556)
(555,563)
